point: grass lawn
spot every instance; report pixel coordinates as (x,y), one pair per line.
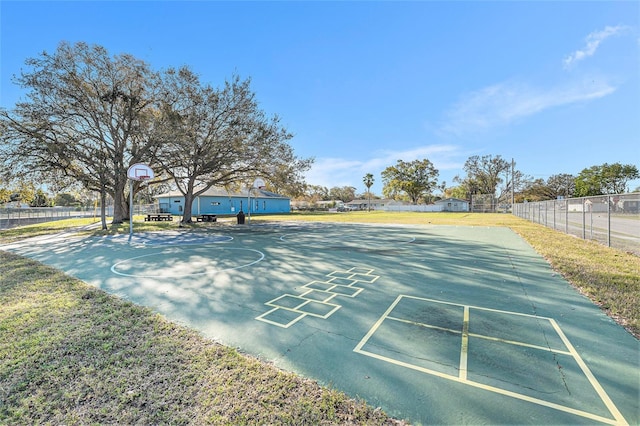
(71,354)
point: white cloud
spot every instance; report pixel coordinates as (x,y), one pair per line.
(332,172)
(593,41)
(504,103)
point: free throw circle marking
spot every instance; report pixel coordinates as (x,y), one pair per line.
(187,261)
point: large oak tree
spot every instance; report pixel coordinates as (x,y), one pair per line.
(414,178)
(484,174)
(605,179)
(86,117)
(218,136)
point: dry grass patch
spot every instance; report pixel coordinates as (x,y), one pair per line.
(609,277)
(71,354)
(39,229)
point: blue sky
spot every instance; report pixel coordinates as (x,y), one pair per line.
(553,85)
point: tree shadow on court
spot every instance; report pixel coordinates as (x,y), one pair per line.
(477,267)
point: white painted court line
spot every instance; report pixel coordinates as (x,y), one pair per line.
(177,253)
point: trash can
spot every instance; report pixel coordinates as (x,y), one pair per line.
(240,217)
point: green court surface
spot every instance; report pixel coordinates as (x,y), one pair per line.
(435,324)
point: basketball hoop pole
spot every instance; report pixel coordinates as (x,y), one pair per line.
(130,209)
(249,207)
(257,184)
(139,172)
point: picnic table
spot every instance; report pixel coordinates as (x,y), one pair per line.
(206,218)
(156,217)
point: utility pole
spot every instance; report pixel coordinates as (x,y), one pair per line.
(513,184)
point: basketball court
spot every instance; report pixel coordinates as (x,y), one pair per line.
(446,325)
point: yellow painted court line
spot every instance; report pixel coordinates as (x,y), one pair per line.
(275,305)
(420,324)
(526,345)
(357,292)
(594,382)
(442,302)
(304,302)
(313,314)
(464,345)
(377,325)
(333,287)
(462,378)
(481,336)
(318,283)
(355,271)
(311,290)
(360,278)
(360,270)
(493,389)
(278,324)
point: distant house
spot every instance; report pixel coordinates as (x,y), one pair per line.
(453,205)
(376,204)
(220,202)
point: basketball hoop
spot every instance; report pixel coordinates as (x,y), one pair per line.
(259,184)
(140,172)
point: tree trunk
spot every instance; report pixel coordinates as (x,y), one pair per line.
(188,203)
(103,208)
(120,206)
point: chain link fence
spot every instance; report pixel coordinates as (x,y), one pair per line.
(12,217)
(613,220)
(483,203)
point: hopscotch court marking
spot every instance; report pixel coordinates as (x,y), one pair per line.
(458,370)
(288,309)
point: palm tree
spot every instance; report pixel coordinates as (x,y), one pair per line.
(368,182)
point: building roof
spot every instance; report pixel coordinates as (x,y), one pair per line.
(221,192)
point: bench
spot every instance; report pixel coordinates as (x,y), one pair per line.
(206,218)
(157,217)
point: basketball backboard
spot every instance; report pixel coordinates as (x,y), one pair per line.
(140,171)
(259,184)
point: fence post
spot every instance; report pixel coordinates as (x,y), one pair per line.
(531,216)
(608,220)
(539,212)
(566,216)
(591,220)
(584,220)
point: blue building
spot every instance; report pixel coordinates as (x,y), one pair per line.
(218,201)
